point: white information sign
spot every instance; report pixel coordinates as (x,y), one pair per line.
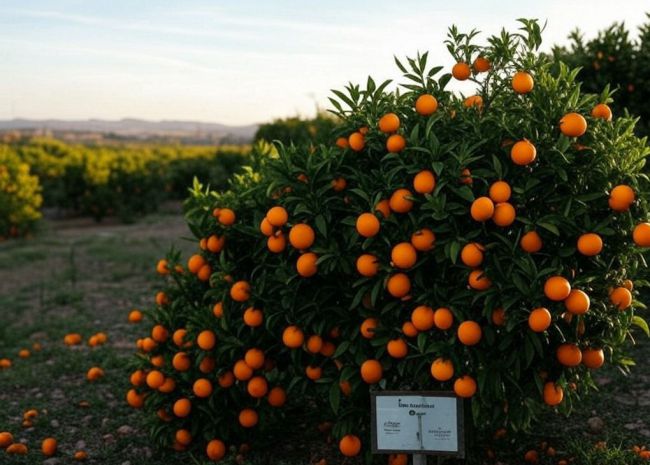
(417,423)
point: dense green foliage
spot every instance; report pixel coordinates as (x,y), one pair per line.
(300,131)
(20,195)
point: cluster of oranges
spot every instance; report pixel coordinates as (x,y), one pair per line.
(484,245)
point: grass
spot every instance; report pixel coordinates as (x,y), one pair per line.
(86,278)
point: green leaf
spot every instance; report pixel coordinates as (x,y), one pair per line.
(641,323)
(335,397)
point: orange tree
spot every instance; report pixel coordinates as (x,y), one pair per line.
(486,244)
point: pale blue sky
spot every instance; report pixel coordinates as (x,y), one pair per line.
(236,62)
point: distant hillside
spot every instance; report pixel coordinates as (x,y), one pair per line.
(130,128)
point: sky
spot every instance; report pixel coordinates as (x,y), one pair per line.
(239,62)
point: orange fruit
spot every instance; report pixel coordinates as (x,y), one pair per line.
(531,456)
(226,379)
(465,387)
(346,387)
(397,348)
(313,373)
(469,333)
(253,317)
(479,281)
(523,153)
(215,450)
(240,291)
(398,459)
(593,358)
(621,198)
(182,407)
(371,371)
(409,330)
(350,445)
(395,143)
(155,379)
(602,111)
(168,386)
(641,234)
(306,265)
(134,399)
(183,437)
(254,358)
(159,333)
(179,337)
(504,214)
(24,353)
(226,216)
(277,216)
(482,209)
(442,370)
(95,373)
(49,446)
(590,244)
(398,285)
(621,298)
(443,318)
(422,318)
(539,319)
(499,317)
(578,302)
(6,439)
(138,378)
(383,207)
(215,243)
(368,327)
(481,65)
(367,265)
(403,255)
(207,365)
(277,397)
(257,387)
(162,267)
(202,388)
(500,191)
(248,418)
(400,201)
(472,254)
(522,82)
(389,123)
(423,240)
(276,243)
(473,101)
(293,337)
(367,225)
(342,142)
(217,310)
(573,125)
(5,363)
(301,236)
(242,371)
(266,228)
(553,394)
(162,299)
(328,349)
(424,182)
(461,71)
(206,340)
(531,242)
(356,141)
(181,361)
(426,105)
(557,288)
(628,284)
(569,354)
(314,344)
(135,316)
(16,449)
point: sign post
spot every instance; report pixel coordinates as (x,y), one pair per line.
(418,423)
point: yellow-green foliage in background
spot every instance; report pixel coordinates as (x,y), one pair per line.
(122,179)
(20,195)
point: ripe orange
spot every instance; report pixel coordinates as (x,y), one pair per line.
(500,191)
(217,310)
(395,143)
(215,450)
(202,388)
(461,71)
(481,65)
(443,318)
(95,373)
(641,234)
(155,379)
(48,447)
(367,265)
(162,267)
(356,141)
(423,240)
(293,337)
(522,82)
(207,365)
(389,123)
(569,354)
(403,255)
(424,182)
(621,198)
(465,386)
(469,333)
(473,101)
(621,298)
(276,243)
(397,348)
(5,363)
(266,228)
(398,459)
(553,394)
(398,285)
(531,456)
(342,142)
(472,254)
(254,358)
(226,216)
(16,449)
(240,291)
(162,299)
(557,288)
(578,302)
(368,327)
(277,216)
(539,319)
(426,105)
(383,207)
(183,437)
(206,340)
(215,243)
(135,316)
(138,378)
(573,125)
(182,407)
(134,399)
(523,153)
(367,225)
(531,242)
(257,387)
(301,236)
(422,318)
(248,418)
(179,337)
(253,317)
(593,358)
(242,371)
(400,201)
(350,445)
(504,214)
(168,386)
(277,397)
(499,316)
(181,361)
(6,439)
(479,281)
(482,209)
(159,333)
(442,370)
(409,330)
(314,344)
(314,373)
(328,349)
(306,265)
(371,371)
(602,111)
(226,379)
